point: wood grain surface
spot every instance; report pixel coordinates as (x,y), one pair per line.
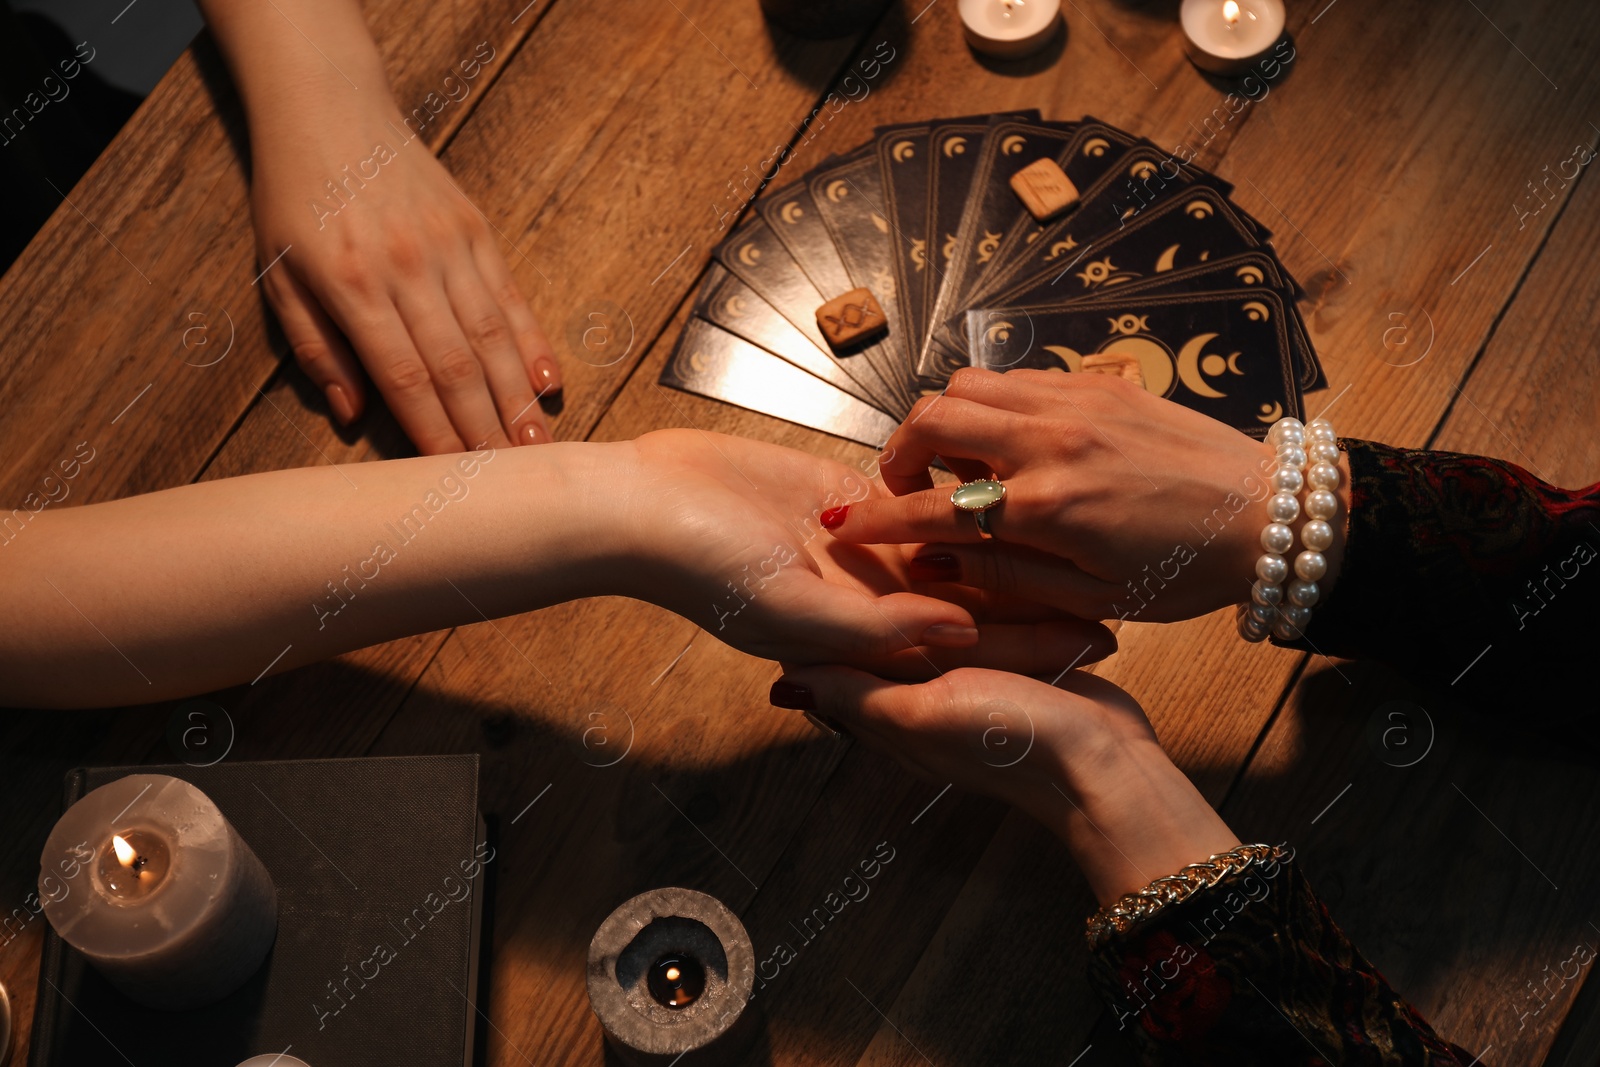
(1389,159)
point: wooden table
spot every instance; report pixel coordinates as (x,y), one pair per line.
(1393,160)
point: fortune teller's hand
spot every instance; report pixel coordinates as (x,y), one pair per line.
(725,532)
(385,260)
(1118,503)
(1081,759)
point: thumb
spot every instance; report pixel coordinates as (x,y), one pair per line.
(319,347)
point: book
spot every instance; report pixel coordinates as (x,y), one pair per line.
(383,869)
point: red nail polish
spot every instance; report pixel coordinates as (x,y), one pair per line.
(834,518)
(786,694)
(935,567)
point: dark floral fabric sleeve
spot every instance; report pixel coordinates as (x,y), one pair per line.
(1253,971)
(1463,569)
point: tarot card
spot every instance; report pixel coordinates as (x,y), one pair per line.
(731,304)
(1225,354)
(754,255)
(851,201)
(712,362)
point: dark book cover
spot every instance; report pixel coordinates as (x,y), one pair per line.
(382,868)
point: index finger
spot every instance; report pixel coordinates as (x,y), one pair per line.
(954,429)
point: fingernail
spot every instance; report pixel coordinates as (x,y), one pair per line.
(948,635)
(834,518)
(826,725)
(935,567)
(786,694)
(339,403)
(532,434)
(545,376)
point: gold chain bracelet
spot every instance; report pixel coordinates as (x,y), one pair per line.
(1134,908)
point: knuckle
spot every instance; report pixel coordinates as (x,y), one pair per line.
(408,376)
(313,355)
(457,368)
(405,253)
(489,331)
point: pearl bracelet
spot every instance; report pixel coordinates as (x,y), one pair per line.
(1273,610)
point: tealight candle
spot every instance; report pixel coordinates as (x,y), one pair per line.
(1228,36)
(671,977)
(147,879)
(1009,29)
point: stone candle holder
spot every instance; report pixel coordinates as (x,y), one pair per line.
(667,946)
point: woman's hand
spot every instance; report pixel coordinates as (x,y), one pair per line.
(1081,759)
(1118,504)
(385,261)
(725,532)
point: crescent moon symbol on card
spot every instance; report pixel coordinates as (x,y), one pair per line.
(697,360)
(837,190)
(1142,169)
(792,211)
(1073,360)
(1250,275)
(902,151)
(1013,144)
(1270,413)
(734,306)
(1189,366)
(1233,363)
(1166,260)
(1096,146)
(1257,311)
(749,254)
(955,146)
(1198,209)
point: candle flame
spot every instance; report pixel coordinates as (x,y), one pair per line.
(125,853)
(1230,11)
(673,974)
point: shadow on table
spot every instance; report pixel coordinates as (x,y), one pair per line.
(1380,820)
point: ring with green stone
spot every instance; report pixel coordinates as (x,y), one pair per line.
(979,498)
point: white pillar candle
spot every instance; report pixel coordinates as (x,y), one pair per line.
(148,880)
(1228,36)
(1009,29)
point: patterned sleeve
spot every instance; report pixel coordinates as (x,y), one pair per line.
(1462,567)
(1253,971)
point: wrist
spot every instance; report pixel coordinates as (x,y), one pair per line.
(1128,815)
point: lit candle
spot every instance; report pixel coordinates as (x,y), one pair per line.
(676,981)
(1009,29)
(147,879)
(1228,36)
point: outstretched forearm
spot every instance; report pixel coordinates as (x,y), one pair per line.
(203,586)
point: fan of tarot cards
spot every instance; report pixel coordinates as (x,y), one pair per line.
(996,241)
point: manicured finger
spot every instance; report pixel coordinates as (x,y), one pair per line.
(849,700)
(532,344)
(956,429)
(397,369)
(1043,649)
(821,622)
(1017,571)
(454,367)
(491,337)
(916,517)
(318,345)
